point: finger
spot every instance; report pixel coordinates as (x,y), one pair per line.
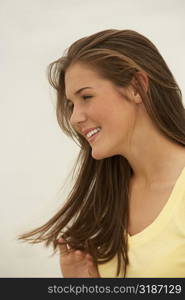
(62,246)
(79,255)
(92,269)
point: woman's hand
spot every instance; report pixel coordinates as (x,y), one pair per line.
(76,263)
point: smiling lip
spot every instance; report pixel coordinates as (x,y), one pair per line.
(91,139)
(85,132)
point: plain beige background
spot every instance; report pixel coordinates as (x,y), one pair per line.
(35,156)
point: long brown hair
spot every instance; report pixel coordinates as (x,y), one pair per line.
(94,217)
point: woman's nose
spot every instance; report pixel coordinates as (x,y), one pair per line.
(78,116)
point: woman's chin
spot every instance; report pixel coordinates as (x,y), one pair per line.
(96,157)
(99,155)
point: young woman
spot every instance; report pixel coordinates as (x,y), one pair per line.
(125,215)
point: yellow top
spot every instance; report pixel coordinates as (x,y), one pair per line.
(159,249)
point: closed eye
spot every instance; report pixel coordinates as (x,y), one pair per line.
(71,105)
(86,97)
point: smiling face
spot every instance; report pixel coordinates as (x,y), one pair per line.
(99,105)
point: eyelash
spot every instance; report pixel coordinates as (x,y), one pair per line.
(86,97)
(71,105)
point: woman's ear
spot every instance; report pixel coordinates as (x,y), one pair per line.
(143,80)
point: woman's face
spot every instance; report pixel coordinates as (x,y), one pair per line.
(99,105)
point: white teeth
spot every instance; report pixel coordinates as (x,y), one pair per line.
(90,133)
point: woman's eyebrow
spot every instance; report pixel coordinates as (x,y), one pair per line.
(81,89)
(78,91)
